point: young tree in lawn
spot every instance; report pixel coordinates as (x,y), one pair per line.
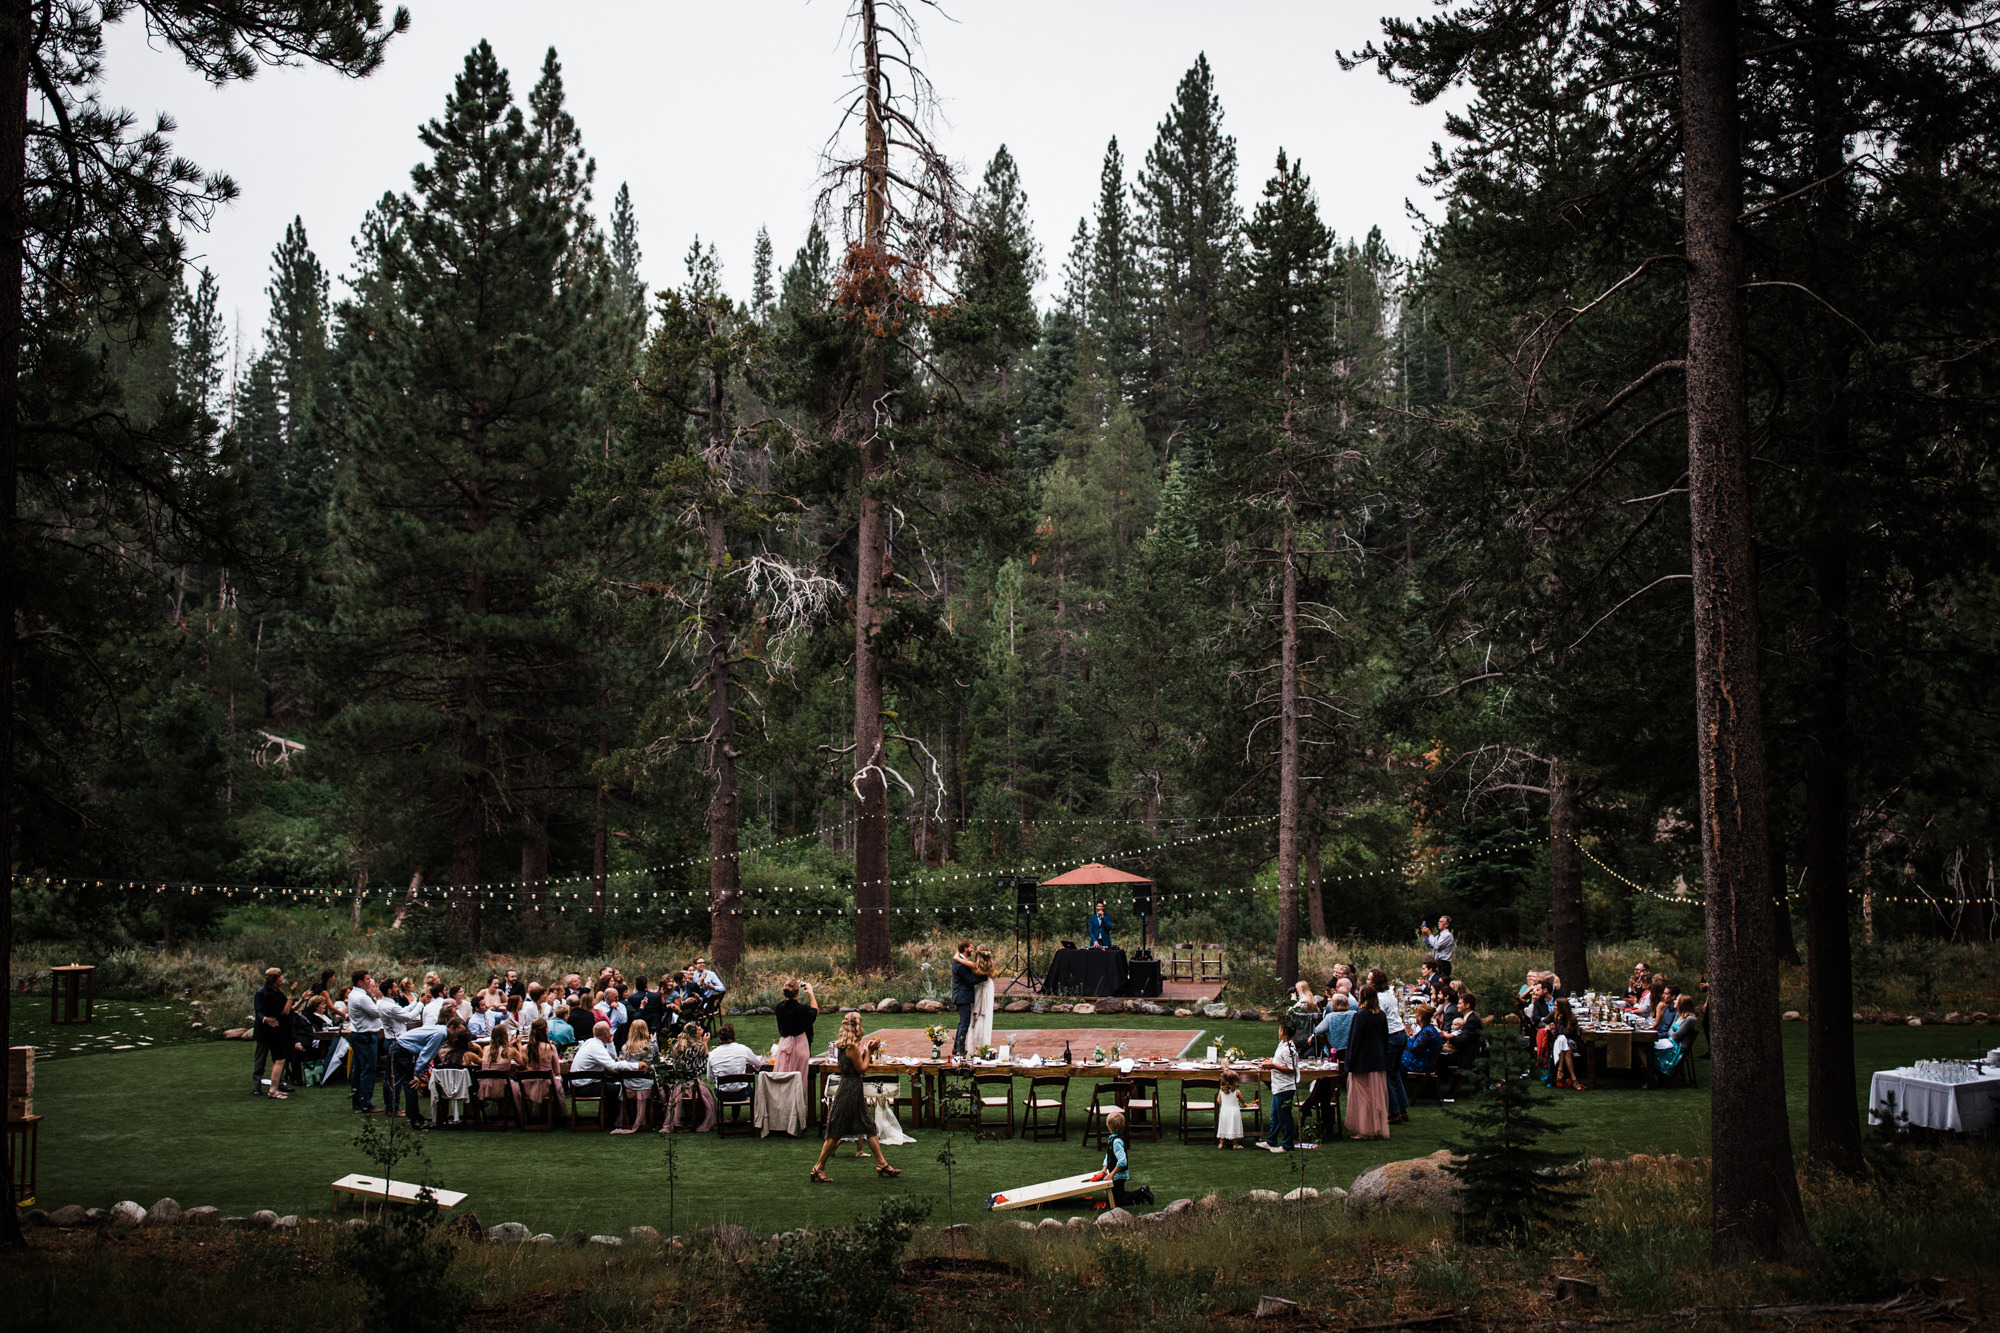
(470,347)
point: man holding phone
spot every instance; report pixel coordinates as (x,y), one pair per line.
(1440,946)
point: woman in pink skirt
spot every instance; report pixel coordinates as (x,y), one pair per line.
(1368,1071)
(795,1028)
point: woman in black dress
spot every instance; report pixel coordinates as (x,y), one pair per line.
(848,1117)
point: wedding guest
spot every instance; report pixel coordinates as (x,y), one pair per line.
(412,1054)
(1669,1051)
(795,1027)
(1399,1038)
(1367,1071)
(1334,1032)
(595,1068)
(1284,1067)
(848,1117)
(511,987)
(639,1045)
(538,1054)
(1118,1163)
(705,979)
(273,1012)
(1440,945)
(531,1007)
(560,1030)
(1229,1111)
(964,981)
(1565,1045)
(1426,1044)
(364,1022)
(732,1056)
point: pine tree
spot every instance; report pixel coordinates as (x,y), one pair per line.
(763,293)
(1508,1187)
(998,267)
(1113,286)
(469,345)
(290,397)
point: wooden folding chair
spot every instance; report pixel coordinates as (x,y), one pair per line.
(991,1092)
(537,1115)
(1198,1097)
(1104,1099)
(957,1099)
(1142,1110)
(733,1092)
(600,1102)
(1046,1097)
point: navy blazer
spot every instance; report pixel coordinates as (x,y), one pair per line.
(1100,931)
(964,981)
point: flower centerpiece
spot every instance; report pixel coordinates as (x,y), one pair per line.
(937,1036)
(1097,1054)
(987,1052)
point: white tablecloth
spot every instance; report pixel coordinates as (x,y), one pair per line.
(1961,1107)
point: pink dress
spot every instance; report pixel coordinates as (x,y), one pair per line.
(794,1054)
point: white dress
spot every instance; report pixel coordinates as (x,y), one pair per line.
(1229,1115)
(982,1017)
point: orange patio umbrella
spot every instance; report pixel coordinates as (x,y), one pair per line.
(1095,873)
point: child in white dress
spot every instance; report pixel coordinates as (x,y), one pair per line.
(1229,1112)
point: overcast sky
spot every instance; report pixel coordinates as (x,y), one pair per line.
(716,114)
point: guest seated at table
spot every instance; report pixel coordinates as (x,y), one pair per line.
(495,1065)
(639,1045)
(1430,983)
(732,1056)
(596,1069)
(795,1027)
(1666,1011)
(573,988)
(538,1055)
(648,1004)
(483,1018)
(1565,1047)
(1537,1010)
(706,982)
(1306,1005)
(1669,1051)
(1648,998)
(561,1029)
(531,1006)
(1461,1048)
(1426,1043)
(457,1051)
(1332,1034)
(1636,985)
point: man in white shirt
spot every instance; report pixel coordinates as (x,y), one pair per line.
(732,1056)
(364,1017)
(1440,945)
(435,1006)
(593,1068)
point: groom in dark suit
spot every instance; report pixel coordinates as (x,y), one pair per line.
(964,982)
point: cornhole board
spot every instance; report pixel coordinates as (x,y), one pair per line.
(1052,1191)
(395,1191)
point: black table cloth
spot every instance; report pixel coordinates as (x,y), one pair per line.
(1143,976)
(1085,972)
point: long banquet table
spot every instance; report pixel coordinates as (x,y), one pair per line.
(1964,1108)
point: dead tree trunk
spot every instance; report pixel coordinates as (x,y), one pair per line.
(1288,763)
(409,899)
(1755,1202)
(1566,927)
(725,883)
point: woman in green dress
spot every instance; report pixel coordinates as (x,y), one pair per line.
(848,1117)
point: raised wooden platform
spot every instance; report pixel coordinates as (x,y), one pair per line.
(1139,1043)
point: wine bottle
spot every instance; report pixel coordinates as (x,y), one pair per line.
(1066,1059)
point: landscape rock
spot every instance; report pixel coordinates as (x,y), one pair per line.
(1955,1019)
(1913,1023)
(1177,1207)
(1019,1007)
(1083,1009)
(289,1222)
(467,1225)
(957,1229)
(95,1217)
(643,1235)
(1859,1019)
(163,1213)
(33,1218)
(263,1219)
(1077,1222)
(1302,1194)
(889,1005)
(761,1011)
(1183,1013)
(1111,1004)
(1028,1226)
(1049,1224)
(1062,1008)
(236,1034)
(578,1238)
(1934,1020)
(865,1009)
(126,1213)
(71,1215)
(1210,1202)
(1275,1307)
(243,1223)
(1890,1020)
(1148,1007)
(544,1239)
(204,1216)
(1263,1196)
(930,1006)
(353,1223)
(1114,1217)
(1981,1017)
(1333,1194)
(1417,1184)
(609,1242)
(1793,1016)
(1038,1005)
(512,1233)
(1215,1011)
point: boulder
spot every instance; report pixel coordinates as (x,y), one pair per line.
(1049,1224)
(1934,1020)
(70,1215)
(865,1009)
(127,1214)
(761,1011)
(1302,1194)
(1263,1196)
(1111,1004)
(289,1222)
(263,1219)
(1028,1226)
(930,1007)
(1038,1005)
(1062,1008)
(1858,1018)
(543,1238)
(513,1233)
(1079,1221)
(1275,1307)
(33,1218)
(1913,1023)
(957,1229)
(889,1005)
(1210,1202)
(1955,1019)
(354,1223)
(163,1213)
(609,1242)
(1417,1184)
(1019,1007)
(467,1225)
(1083,1009)
(1183,1013)
(204,1216)
(1177,1207)
(1114,1217)
(1793,1016)
(1981,1017)
(578,1238)
(1215,1011)
(95,1217)
(1333,1194)
(643,1235)
(243,1223)
(1149,1008)
(1890,1020)
(236,1034)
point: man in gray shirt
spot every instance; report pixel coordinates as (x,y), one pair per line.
(1440,946)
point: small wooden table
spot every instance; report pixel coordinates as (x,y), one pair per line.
(64,985)
(25,1148)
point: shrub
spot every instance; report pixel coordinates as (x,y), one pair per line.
(840,1280)
(1510,1186)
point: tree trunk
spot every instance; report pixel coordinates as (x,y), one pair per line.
(468,837)
(1288,766)
(871,780)
(1566,930)
(1755,1204)
(535,862)
(725,882)
(409,899)
(360,891)
(1782,944)
(16,33)
(1833,1119)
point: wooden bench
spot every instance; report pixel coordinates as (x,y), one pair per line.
(395,1191)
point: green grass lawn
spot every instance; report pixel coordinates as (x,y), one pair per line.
(177,1120)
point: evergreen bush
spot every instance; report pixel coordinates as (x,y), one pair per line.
(1510,1186)
(840,1280)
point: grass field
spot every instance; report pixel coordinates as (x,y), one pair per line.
(176,1120)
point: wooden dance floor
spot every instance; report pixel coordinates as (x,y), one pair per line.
(1140,1043)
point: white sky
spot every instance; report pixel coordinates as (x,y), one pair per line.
(716,114)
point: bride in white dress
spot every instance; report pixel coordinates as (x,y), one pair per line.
(982,1002)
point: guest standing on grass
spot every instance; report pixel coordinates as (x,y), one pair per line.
(1284,1067)
(274,1034)
(1335,1031)
(848,1117)
(1229,1111)
(1367,1071)
(364,1021)
(964,983)
(1440,945)
(795,1027)
(1399,1039)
